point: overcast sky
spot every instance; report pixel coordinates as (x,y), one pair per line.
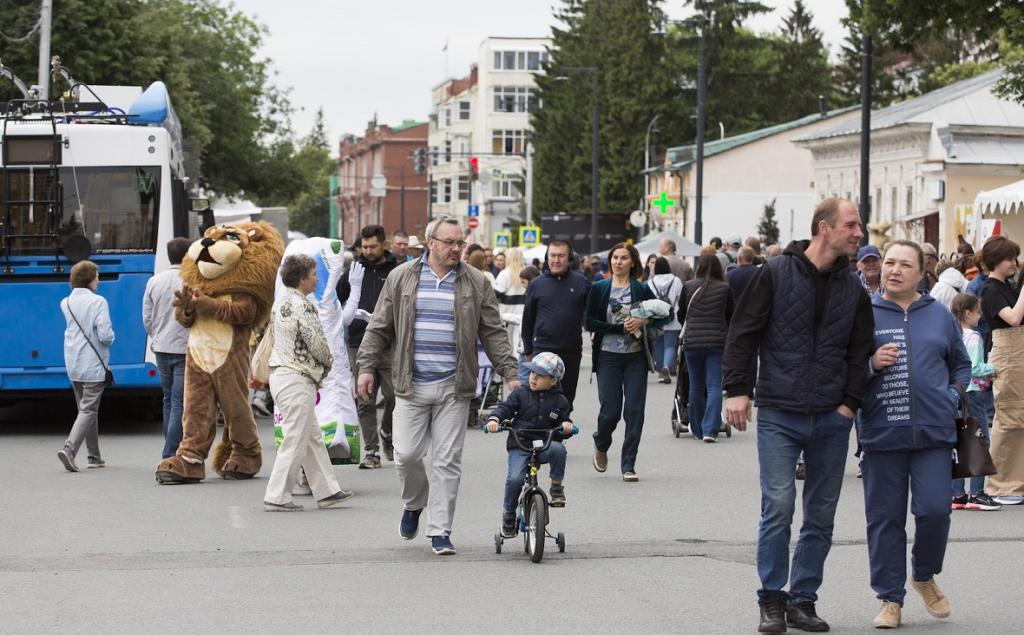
(355,58)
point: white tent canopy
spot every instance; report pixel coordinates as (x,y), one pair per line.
(652,242)
(1003,200)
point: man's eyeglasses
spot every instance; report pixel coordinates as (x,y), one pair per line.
(449,243)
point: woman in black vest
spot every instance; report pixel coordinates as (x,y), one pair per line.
(705,310)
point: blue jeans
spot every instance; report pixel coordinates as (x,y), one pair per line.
(705,370)
(983,407)
(171,367)
(824,440)
(524,372)
(888,479)
(621,375)
(519,463)
(665,346)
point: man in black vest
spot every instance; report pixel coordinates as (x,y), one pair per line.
(811,322)
(377,263)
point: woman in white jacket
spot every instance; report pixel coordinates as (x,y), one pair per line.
(951,282)
(667,288)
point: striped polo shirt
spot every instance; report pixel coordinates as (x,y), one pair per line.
(433,356)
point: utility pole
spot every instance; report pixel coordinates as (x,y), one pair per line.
(865,135)
(401,198)
(595,158)
(529,184)
(45,26)
(698,221)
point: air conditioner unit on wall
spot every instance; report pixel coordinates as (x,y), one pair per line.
(936,190)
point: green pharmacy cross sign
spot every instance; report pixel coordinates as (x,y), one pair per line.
(664,203)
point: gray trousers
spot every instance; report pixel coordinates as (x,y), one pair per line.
(368,409)
(87,423)
(431,420)
(302,442)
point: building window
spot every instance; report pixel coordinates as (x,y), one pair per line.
(893,212)
(876,213)
(910,200)
(520,60)
(446,190)
(508,141)
(447,150)
(502,188)
(447,117)
(464,111)
(433,156)
(433,192)
(463,187)
(515,99)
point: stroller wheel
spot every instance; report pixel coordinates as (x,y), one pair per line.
(675,428)
(728,431)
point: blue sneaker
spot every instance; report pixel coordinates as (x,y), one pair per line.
(410,523)
(442,545)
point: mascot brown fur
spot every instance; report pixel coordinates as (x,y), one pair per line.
(228,289)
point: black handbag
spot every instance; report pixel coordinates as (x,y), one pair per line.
(970,457)
(108,375)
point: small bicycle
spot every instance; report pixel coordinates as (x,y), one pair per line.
(532,508)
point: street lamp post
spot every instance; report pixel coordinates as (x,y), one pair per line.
(698,208)
(595,147)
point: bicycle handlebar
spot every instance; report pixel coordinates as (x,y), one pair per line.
(506,426)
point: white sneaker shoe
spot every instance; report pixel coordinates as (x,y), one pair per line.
(1009,500)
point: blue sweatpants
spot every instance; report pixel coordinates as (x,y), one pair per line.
(888,478)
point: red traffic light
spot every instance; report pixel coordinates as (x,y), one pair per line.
(474,165)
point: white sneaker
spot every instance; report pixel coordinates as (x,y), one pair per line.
(710,439)
(260,407)
(1009,500)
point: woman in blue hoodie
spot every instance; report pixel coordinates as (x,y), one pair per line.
(906,429)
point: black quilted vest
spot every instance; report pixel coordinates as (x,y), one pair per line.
(803,369)
(705,327)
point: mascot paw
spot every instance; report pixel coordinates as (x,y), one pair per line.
(240,468)
(175,471)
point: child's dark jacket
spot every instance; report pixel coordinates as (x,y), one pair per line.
(529,410)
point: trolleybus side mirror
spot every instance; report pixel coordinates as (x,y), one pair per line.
(77,248)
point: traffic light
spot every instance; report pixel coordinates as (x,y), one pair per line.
(474,168)
(419,160)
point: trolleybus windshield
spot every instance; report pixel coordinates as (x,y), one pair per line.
(114,207)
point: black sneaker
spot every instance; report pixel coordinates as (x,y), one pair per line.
(508,524)
(442,545)
(803,616)
(557,496)
(773,615)
(960,502)
(410,525)
(983,502)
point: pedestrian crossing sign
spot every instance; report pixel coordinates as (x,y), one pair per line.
(502,240)
(529,236)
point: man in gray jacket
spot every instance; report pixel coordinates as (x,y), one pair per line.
(429,317)
(168,340)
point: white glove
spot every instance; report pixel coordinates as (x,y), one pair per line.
(363,314)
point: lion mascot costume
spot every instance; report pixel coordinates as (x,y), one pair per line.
(228,289)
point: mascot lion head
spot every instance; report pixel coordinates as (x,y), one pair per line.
(241,258)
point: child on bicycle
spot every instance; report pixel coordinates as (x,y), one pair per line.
(541,406)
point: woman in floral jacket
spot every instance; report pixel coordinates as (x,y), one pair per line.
(299,360)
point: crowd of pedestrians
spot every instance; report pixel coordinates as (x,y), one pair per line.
(823,336)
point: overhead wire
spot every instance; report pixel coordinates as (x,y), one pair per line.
(15,40)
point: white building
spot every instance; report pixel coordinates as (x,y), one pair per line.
(486,115)
(930,156)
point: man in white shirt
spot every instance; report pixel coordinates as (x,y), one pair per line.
(169,340)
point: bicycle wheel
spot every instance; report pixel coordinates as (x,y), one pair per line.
(536,526)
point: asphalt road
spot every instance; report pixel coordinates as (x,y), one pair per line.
(111,551)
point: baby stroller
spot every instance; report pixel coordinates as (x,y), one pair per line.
(490,389)
(681,401)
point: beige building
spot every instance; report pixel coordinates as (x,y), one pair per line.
(742,174)
(930,156)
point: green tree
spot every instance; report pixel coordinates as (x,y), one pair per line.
(768,227)
(308,210)
(620,39)
(805,71)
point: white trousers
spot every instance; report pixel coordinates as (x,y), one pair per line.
(302,443)
(432,420)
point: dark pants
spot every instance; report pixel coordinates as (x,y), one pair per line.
(824,440)
(571,358)
(887,478)
(621,375)
(367,410)
(171,367)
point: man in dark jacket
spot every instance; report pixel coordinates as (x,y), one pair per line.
(740,275)
(377,263)
(811,322)
(553,314)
